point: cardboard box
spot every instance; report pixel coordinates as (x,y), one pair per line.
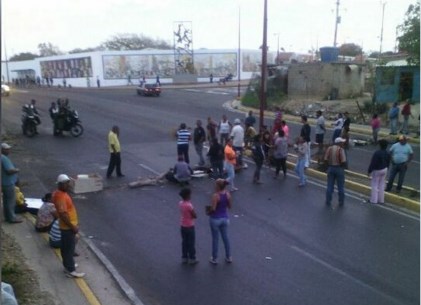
(87,183)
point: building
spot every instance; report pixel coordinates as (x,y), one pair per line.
(117,68)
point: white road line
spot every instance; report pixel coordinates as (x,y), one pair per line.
(343,273)
(148,168)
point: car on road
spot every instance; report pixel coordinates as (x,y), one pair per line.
(5,90)
(148,89)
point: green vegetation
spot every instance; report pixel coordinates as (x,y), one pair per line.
(274,97)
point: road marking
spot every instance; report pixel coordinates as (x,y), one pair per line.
(148,168)
(342,273)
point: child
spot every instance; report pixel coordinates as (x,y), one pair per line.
(21,205)
(188,235)
(301,148)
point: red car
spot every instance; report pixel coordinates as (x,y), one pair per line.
(149,89)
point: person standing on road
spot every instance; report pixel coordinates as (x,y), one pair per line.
(394,118)
(378,170)
(9,176)
(336,160)
(305,134)
(219,220)
(250,120)
(301,149)
(375,127)
(280,154)
(199,138)
(188,235)
(258,157)
(183,139)
(406,112)
(211,130)
(401,155)
(320,134)
(69,225)
(216,158)
(229,164)
(237,135)
(337,127)
(115,151)
(224,130)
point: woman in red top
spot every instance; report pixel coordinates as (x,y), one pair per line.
(375,126)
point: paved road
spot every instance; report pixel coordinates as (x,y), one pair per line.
(288,248)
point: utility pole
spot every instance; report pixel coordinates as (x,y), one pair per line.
(263,89)
(239,52)
(381,32)
(337,21)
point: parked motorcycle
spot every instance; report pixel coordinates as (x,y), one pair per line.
(69,121)
(30,121)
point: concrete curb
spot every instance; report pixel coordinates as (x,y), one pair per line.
(365,190)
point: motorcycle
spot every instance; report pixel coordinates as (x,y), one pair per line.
(30,121)
(68,122)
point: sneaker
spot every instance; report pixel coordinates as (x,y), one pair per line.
(234,189)
(228,260)
(213,261)
(193,261)
(75,274)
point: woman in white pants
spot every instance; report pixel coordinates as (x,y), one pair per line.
(378,170)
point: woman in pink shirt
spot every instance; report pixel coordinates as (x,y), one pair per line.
(188,235)
(375,126)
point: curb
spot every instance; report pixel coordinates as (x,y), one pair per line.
(365,190)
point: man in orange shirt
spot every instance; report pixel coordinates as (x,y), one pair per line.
(229,164)
(68,223)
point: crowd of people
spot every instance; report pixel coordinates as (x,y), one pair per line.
(228,143)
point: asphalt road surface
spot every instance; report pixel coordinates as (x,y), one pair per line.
(288,248)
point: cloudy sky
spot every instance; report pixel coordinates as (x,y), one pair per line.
(301,24)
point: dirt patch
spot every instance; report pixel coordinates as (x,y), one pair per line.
(15,272)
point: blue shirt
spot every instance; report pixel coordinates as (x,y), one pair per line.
(400,153)
(6,165)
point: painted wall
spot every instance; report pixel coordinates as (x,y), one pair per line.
(118,68)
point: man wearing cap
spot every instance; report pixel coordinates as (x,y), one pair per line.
(336,159)
(401,154)
(237,135)
(8,179)
(68,223)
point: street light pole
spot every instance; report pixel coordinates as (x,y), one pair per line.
(381,32)
(264,67)
(239,52)
(277,50)
(337,21)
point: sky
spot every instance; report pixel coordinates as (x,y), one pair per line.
(298,25)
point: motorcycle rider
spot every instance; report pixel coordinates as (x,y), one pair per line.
(30,112)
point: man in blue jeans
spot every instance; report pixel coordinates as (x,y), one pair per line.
(336,159)
(401,154)
(8,179)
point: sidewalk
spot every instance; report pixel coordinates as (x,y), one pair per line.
(97,288)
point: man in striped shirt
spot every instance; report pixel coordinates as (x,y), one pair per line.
(183,139)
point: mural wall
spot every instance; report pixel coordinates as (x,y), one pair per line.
(67,68)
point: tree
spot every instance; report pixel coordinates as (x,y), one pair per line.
(409,40)
(134,42)
(79,50)
(350,49)
(47,49)
(23,56)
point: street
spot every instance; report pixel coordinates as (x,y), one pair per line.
(288,248)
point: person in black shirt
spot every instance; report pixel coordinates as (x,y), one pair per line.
(199,137)
(378,169)
(216,158)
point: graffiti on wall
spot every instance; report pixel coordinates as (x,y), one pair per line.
(67,68)
(218,64)
(137,66)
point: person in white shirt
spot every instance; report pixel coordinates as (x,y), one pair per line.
(237,135)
